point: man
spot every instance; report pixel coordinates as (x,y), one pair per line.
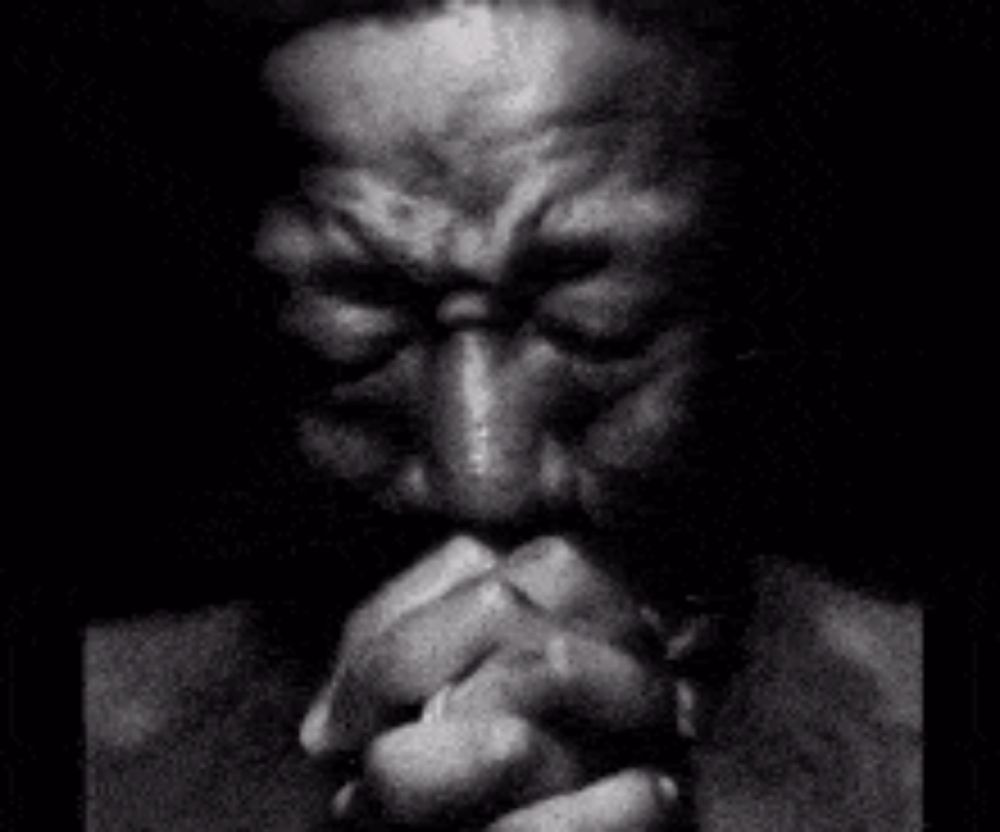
(494,255)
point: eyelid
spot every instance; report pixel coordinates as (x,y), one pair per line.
(286,242)
(313,247)
(597,346)
(344,332)
(376,284)
(601,316)
(611,302)
(554,263)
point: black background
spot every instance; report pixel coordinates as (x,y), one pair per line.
(154,438)
(147,449)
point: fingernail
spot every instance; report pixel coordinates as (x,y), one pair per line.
(669,792)
(345,801)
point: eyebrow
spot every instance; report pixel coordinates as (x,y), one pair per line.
(391,226)
(641,214)
(327,198)
(571,212)
(370,239)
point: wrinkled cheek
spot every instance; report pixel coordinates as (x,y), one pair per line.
(350,452)
(642,430)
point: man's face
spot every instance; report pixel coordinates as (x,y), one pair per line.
(487,255)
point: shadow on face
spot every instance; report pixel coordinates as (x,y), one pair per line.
(490,264)
(203,496)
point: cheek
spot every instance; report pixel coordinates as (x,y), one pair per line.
(370,455)
(642,429)
(355,451)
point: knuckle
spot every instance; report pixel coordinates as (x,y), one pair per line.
(563,657)
(510,742)
(382,771)
(392,774)
(466,553)
(639,796)
(380,759)
(497,598)
(565,558)
(561,558)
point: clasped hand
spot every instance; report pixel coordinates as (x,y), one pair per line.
(512,695)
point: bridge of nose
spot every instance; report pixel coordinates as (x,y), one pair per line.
(488,427)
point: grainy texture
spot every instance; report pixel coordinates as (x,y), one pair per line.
(821,732)
(191,730)
(823,729)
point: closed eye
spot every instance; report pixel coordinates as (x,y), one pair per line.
(347,334)
(329,252)
(594,344)
(551,264)
(603,318)
(381,285)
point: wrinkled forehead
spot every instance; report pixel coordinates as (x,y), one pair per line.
(471,76)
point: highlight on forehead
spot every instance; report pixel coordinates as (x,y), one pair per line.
(373,82)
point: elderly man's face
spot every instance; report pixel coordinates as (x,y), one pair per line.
(487,254)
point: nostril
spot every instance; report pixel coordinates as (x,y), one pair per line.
(467,308)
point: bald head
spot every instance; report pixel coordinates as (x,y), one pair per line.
(458,79)
(533,57)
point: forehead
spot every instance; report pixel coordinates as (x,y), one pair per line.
(452,137)
(471,84)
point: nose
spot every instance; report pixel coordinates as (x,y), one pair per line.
(491,461)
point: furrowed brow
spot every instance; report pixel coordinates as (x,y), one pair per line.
(388,224)
(620,214)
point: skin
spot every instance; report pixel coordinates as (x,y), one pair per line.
(191,726)
(494,262)
(486,258)
(484,254)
